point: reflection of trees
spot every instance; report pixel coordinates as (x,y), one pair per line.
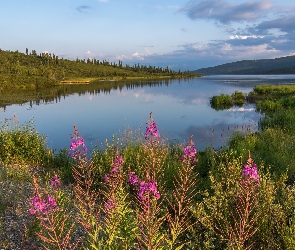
(55,94)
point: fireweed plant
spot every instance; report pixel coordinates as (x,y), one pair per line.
(147,210)
(146,194)
(131,205)
(180,216)
(244,215)
(50,206)
(231,213)
(153,150)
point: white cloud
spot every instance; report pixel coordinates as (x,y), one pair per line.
(142,55)
(138,56)
(244,37)
(88,54)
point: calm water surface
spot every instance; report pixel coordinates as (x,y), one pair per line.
(181,108)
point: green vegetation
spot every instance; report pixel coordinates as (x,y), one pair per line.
(33,71)
(271,92)
(212,203)
(275,142)
(282,65)
(225,101)
(22,144)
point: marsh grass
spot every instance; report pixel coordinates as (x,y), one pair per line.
(274,90)
(225,101)
(222,101)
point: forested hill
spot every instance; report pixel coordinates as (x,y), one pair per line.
(31,70)
(282,65)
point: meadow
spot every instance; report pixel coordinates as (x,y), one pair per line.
(142,192)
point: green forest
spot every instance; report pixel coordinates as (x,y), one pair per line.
(30,70)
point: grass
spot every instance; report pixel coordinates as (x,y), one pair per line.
(117,78)
(22,144)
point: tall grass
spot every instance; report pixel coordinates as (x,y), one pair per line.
(22,143)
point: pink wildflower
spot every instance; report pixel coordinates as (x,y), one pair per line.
(55,182)
(151,129)
(77,146)
(118,162)
(43,205)
(110,205)
(250,173)
(189,152)
(148,191)
(133,179)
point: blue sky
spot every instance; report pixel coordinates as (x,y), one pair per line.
(180,34)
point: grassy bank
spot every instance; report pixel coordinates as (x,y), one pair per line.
(141,192)
(118,78)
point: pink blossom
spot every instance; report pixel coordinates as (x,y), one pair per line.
(189,152)
(151,129)
(77,147)
(133,178)
(55,182)
(43,205)
(118,161)
(250,172)
(148,191)
(110,205)
(106,178)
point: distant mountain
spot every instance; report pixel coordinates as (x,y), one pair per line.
(282,65)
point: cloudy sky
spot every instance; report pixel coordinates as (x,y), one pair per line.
(180,34)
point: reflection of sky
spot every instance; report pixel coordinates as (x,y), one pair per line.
(181,109)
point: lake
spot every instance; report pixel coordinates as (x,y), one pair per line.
(181,108)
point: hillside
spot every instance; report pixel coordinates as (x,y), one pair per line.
(282,65)
(34,71)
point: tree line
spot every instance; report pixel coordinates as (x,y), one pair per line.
(30,70)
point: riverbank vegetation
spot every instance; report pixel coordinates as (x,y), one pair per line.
(141,192)
(36,71)
(274,144)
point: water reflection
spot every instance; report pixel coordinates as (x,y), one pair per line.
(181,108)
(56,94)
